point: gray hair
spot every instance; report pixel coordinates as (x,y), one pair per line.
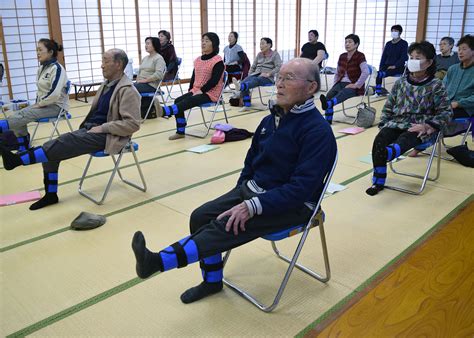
(448,39)
(312,69)
(119,56)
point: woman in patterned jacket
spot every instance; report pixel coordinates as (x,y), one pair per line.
(416,109)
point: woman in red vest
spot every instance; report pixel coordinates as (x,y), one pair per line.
(352,71)
(205,86)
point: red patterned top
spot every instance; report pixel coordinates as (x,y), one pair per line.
(203,73)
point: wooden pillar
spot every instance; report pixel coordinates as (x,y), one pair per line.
(232,15)
(276,27)
(137,20)
(422,15)
(5,59)
(54,25)
(464,18)
(102,46)
(298,27)
(354,17)
(204,14)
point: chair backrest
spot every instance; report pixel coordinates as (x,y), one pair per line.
(372,71)
(245,66)
(224,82)
(176,75)
(68,87)
(327,180)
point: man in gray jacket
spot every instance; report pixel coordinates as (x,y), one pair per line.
(114,116)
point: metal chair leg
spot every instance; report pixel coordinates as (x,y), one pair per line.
(292,263)
(425,178)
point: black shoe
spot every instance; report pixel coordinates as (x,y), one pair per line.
(324,102)
(201,291)
(48,199)
(374,190)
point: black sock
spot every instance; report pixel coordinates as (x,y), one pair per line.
(324,102)
(147,262)
(10,160)
(201,291)
(48,199)
(374,190)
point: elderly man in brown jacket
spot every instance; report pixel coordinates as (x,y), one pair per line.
(114,116)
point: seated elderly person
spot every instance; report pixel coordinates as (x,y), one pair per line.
(416,109)
(447,58)
(51,97)
(151,72)
(349,81)
(205,86)
(114,116)
(262,72)
(459,80)
(278,187)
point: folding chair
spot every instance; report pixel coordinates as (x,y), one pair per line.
(372,70)
(435,143)
(216,105)
(62,115)
(153,95)
(324,71)
(316,220)
(130,147)
(272,91)
(176,80)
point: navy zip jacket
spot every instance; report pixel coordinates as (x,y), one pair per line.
(288,159)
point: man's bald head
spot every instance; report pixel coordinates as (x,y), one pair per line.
(306,68)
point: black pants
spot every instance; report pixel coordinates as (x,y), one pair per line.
(145,101)
(388,136)
(188,101)
(69,145)
(460,112)
(210,235)
(384,72)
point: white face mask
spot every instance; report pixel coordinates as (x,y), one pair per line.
(414,65)
(395,35)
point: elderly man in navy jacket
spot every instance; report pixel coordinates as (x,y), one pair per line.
(292,150)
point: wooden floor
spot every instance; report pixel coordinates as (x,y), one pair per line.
(59,282)
(430,294)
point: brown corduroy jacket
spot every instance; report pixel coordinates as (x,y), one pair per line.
(123,118)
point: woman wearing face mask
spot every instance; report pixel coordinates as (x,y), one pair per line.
(266,65)
(393,59)
(416,109)
(51,97)
(205,86)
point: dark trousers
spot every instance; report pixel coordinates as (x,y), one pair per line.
(210,236)
(340,92)
(183,103)
(69,145)
(146,101)
(459,113)
(384,72)
(388,136)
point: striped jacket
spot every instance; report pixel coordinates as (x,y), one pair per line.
(51,81)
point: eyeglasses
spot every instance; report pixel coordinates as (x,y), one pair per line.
(290,78)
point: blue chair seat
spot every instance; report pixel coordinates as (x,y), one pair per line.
(277,236)
(103,154)
(48,119)
(235,73)
(152,94)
